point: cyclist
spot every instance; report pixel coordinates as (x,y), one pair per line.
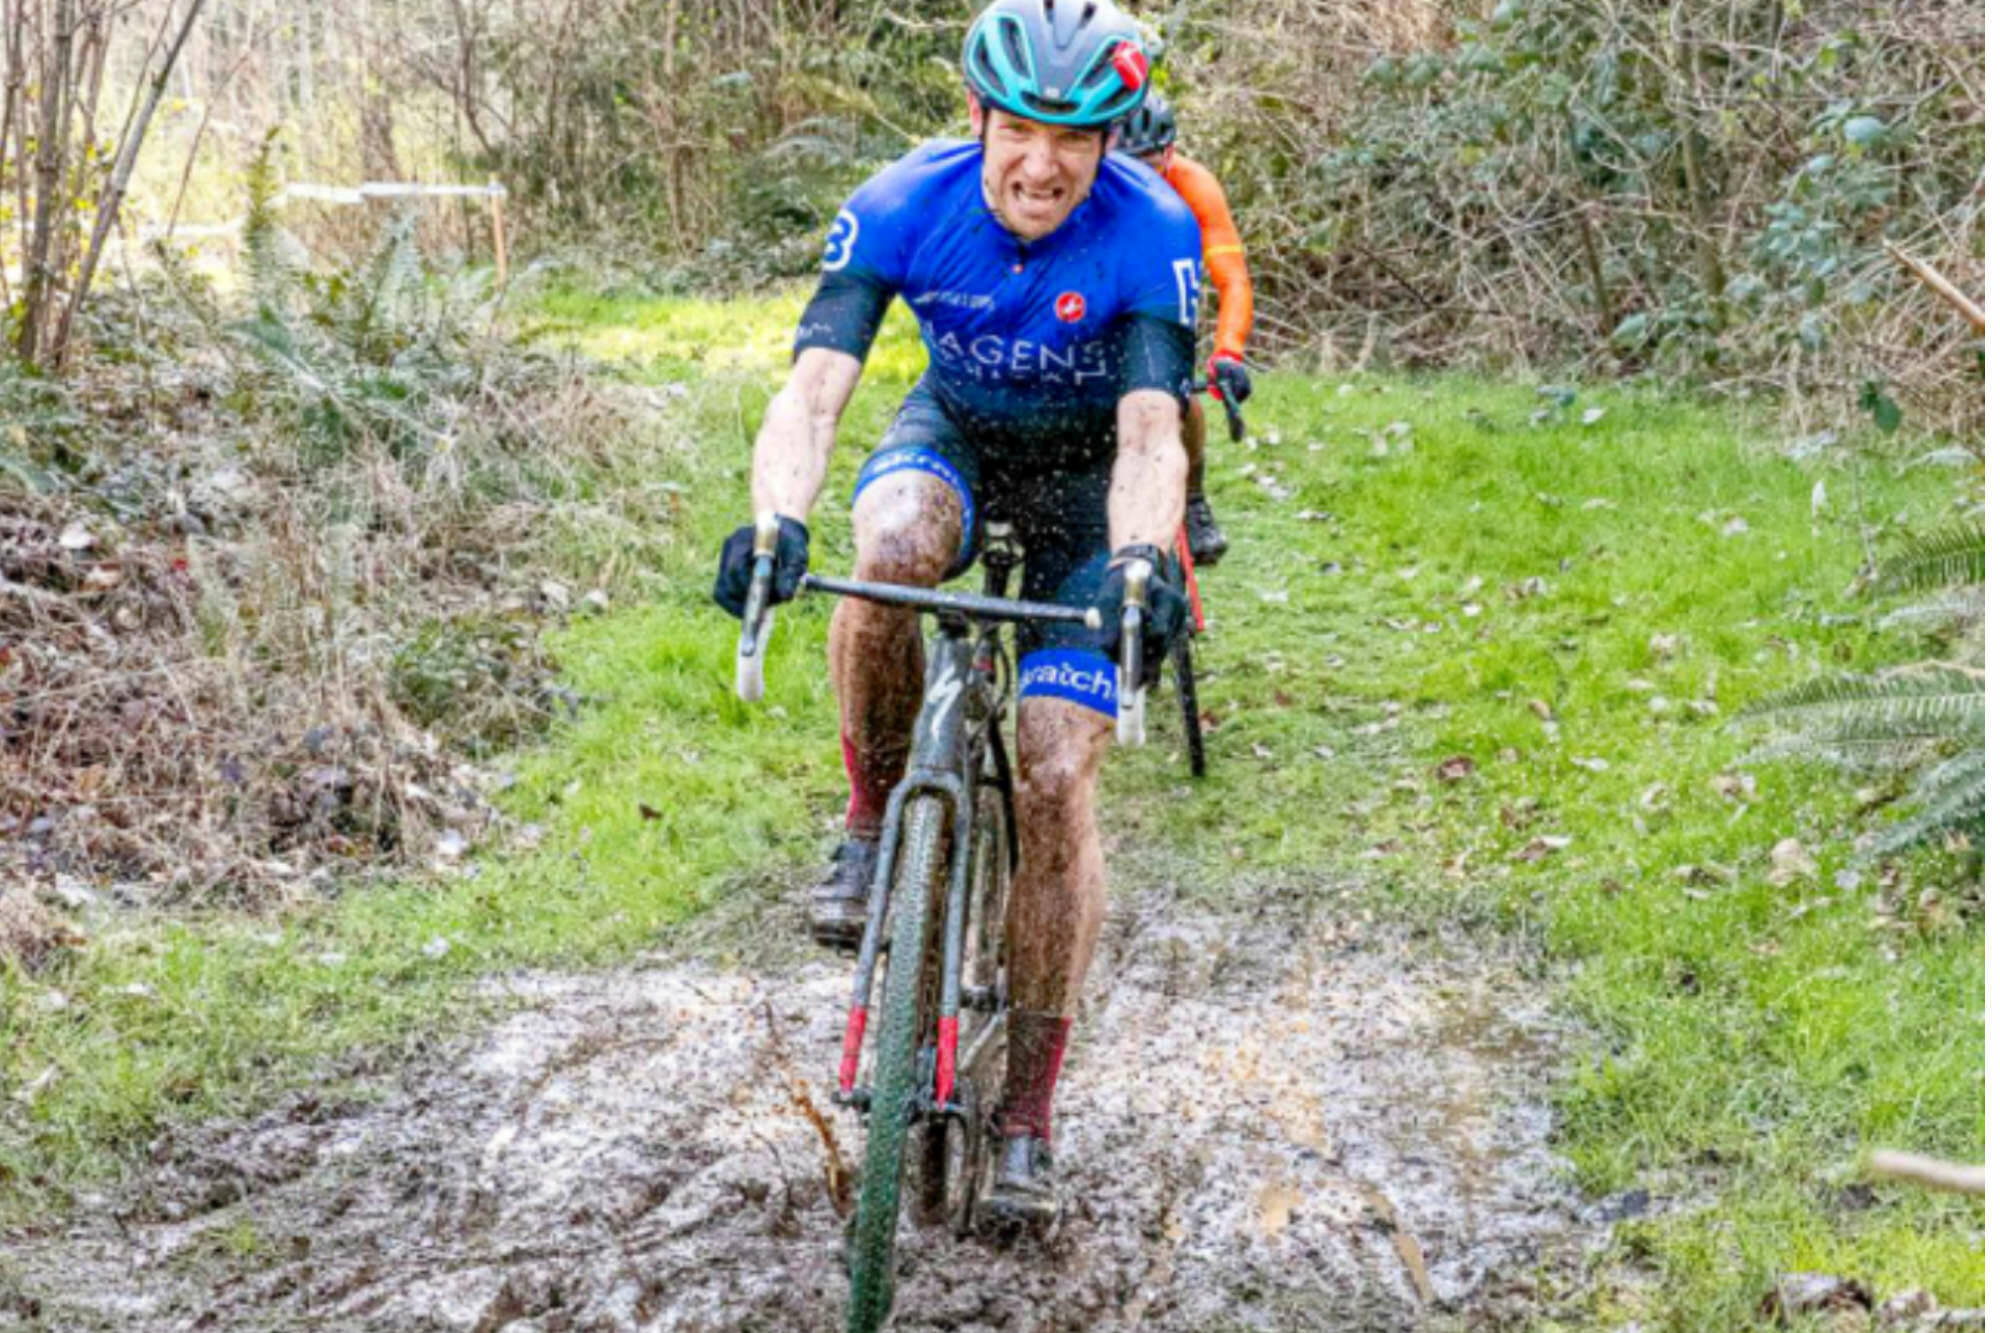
(1149,134)
(1056,288)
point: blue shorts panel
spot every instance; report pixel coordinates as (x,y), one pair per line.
(1076,675)
(1067,569)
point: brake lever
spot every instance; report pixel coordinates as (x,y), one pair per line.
(756,635)
(1131,655)
(1234,411)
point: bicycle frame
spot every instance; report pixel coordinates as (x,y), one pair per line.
(958,705)
(957,731)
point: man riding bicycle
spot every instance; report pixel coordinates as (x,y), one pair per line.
(1151,134)
(1056,288)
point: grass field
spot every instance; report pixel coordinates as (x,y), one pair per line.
(1477,663)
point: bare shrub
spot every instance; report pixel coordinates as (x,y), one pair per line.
(262,615)
(1702,188)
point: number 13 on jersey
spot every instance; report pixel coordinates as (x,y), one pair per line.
(1188,279)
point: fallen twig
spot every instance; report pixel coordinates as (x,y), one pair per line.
(1929,1172)
(1942,285)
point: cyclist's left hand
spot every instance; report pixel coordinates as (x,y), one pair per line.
(1166,606)
(1227,371)
(732,575)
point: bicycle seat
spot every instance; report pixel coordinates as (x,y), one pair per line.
(1001,549)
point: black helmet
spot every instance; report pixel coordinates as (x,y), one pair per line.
(1149,129)
(1065,62)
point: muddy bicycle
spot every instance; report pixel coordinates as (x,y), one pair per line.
(1182,652)
(933,961)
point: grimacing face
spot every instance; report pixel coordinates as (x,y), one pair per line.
(1034,173)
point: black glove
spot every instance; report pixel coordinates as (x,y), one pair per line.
(1166,607)
(732,577)
(1227,371)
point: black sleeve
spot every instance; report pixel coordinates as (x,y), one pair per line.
(1156,354)
(843,314)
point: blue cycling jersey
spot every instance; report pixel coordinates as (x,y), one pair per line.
(1026,338)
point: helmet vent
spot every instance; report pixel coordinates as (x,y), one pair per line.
(982,61)
(1100,68)
(1052,106)
(1017,47)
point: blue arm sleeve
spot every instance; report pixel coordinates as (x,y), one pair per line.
(844,314)
(1156,354)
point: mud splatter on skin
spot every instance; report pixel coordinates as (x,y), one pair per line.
(1056,907)
(1194,441)
(1247,1097)
(906,531)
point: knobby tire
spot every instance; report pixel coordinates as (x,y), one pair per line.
(921,862)
(1190,706)
(941,1195)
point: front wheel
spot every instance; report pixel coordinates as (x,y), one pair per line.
(922,856)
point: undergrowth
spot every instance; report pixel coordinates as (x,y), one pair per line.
(283,557)
(1469,669)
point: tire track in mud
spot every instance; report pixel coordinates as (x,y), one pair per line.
(1270,1121)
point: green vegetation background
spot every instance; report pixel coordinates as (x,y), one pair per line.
(1470,671)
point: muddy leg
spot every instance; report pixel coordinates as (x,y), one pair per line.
(1057,902)
(1194,439)
(1205,540)
(906,530)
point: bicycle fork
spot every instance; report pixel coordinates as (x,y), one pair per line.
(936,769)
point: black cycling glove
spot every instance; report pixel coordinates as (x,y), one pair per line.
(732,577)
(1166,607)
(1227,371)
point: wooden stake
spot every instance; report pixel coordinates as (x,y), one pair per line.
(493,198)
(1942,285)
(1928,1171)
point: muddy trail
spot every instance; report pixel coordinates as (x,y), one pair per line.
(1273,1119)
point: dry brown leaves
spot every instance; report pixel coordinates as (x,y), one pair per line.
(163,724)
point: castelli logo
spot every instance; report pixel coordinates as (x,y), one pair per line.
(1130,62)
(1069,307)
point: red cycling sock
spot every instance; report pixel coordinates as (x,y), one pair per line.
(870,779)
(1035,1044)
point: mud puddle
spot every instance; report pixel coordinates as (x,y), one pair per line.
(1268,1123)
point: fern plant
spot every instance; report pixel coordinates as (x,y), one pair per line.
(1926,718)
(264,272)
(366,352)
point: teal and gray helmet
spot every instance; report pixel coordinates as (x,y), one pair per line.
(1149,129)
(1065,62)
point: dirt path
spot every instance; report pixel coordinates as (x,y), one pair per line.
(1269,1124)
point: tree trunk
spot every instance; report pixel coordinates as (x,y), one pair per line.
(12,21)
(112,198)
(37,278)
(1688,102)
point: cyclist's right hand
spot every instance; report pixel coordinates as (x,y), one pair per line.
(1166,607)
(732,577)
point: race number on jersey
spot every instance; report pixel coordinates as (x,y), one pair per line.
(840,241)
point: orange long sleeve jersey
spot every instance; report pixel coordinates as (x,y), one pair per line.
(1221,250)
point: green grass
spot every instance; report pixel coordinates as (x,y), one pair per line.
(1748,1038)
(1575,609)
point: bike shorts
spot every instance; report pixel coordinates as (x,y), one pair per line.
(1058,512)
